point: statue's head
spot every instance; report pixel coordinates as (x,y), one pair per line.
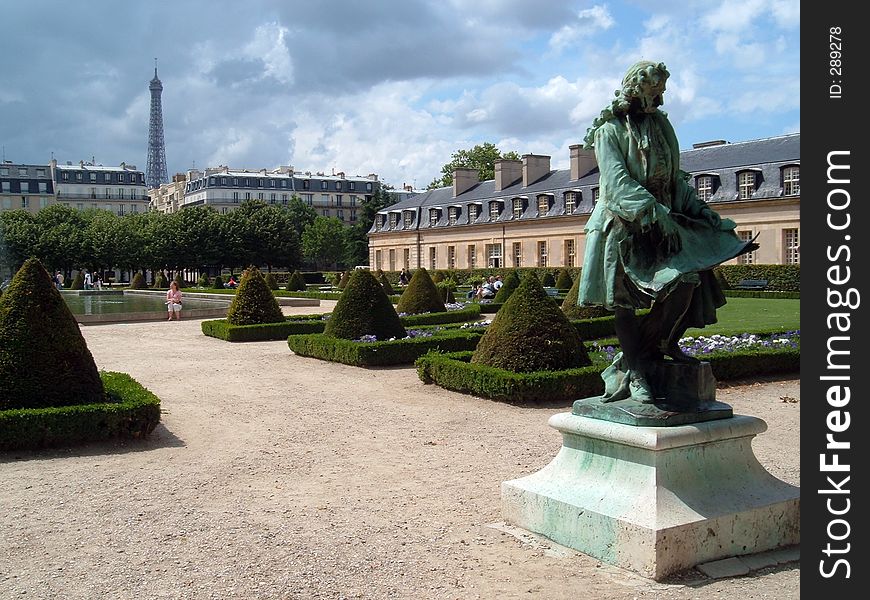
(644,85)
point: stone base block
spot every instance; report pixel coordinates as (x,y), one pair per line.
(656,500)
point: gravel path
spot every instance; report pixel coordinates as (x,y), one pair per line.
(277,476)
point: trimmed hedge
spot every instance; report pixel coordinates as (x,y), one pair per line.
(364,309)
(221,329)
(180,281)
(78,282)
(296,283)
(381,353)
(761,294)
(138,281)
(453,371)
(254,302)
(785,278)
(132,412)
(271,281)
(217,283)
(508,286)
(420,295)
(564,281)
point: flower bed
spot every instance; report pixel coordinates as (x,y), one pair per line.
(378,353)
(461,315)
(131,412)
(748,355)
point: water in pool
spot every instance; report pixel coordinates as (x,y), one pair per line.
(129,303)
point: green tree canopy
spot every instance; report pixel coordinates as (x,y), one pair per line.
(482,157)
(323,242)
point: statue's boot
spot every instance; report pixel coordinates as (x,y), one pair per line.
(670,323)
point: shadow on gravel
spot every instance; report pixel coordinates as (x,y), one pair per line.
(159,438)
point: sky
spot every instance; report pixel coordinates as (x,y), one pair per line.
(391,87)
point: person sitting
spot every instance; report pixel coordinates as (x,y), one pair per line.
(487,290)
(473,292)
(232,283)
(497,283)
(404,277)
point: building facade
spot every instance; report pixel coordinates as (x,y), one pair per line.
(27,187)
(532,216)
(120,189)
(224,189)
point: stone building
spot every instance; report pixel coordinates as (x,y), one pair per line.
(28,187)
(120,189)
(533,216)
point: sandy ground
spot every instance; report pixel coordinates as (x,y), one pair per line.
(277,476)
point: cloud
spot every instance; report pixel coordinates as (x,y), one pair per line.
(587,23)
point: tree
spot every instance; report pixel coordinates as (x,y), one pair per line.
(323,242)
(18,235)
(301,215)
(357,251)
(482,157)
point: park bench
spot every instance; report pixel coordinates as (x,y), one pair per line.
(751,284)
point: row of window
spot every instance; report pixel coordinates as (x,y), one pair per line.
(492,253)
(24,203)
(22,171)
(24,187)
(790,246)
(748,182)
(105,177)
(223,181)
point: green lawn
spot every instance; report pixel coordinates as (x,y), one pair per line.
(754,314)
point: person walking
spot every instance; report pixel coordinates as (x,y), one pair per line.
(89,282)
(173,301)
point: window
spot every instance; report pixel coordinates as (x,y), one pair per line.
(543,204)
(494,210)
(791,246)
(247,195)
(369,186)
(23,202)
(40,172)
(235,197)
(325,212)
(472,257)
(134,208)
(132,194)
(596,192)
(308,198)
(473,212)
(704,186)
(353,215)
(212,180)
(324,185)
(108,193)
(352,200)
(340,213)
(78,176)
(306,184)
(120,210)
(570,252)
(120,178)
(452,215)
(7,202)
(259,195)
(93,177)
(224,210)
(378,259)
(570,202)
(5,187)
(4,170)
(394,220)
(22,171)
(283,183)
(338,186)
(791,181)
(351,186)
(392,259)
(93,192)
(338,200)
(493,256)
(25,187)
(451,257)
(433,257)
(746,184)
(749,257)
(121,193)
(324,199)
(542,254)
(284,199)
(407,219)
(518,254)
(433,217)
(273,198)
(43,202)
(518,208)
(64,176)
(80,206)
(406,258)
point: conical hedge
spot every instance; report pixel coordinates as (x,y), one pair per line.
(530,333)
(574,311)
(160,280)
(138,281)
(296,283)
(508,286)
(204,281)
(216,284)
(364,309)
(180,281)
(44,360)
(271,281)
(420,296)
(345,276)
(564,281)
(385,283)
(548,280)
(78,282)
(254,303)
(445,290)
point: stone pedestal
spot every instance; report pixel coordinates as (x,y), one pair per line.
(656,500)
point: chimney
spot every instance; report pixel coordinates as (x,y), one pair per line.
(464,179)
(535,166)
(582,161)
(507,173)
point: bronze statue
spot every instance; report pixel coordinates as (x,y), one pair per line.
(650,241)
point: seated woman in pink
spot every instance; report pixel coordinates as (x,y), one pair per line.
(173,301)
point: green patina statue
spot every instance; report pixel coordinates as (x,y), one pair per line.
(650,241)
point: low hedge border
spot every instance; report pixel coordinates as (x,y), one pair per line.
(264,332)
(371,354)
(454,371)
(761,294)
(133,412)
(472,311)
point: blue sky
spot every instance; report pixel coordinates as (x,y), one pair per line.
(385,86)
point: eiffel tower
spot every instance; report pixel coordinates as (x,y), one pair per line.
(155,173)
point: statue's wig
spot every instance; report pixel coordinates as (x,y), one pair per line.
(632,88)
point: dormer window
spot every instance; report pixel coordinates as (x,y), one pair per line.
(394,220)
(407,219)
(494,210)
(791,181)
(518,208)
(324,185)
(705,186)
(434,215)
(543,204)
(473,212)
(746,184)
(452,215)
(596,192)
(570,202)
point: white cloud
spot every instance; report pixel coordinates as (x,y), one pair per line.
(589,22)
(269,46)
